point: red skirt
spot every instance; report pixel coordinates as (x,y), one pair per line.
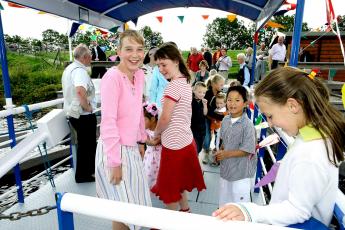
(179,171)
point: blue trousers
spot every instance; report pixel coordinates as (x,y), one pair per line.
(207,140)
(311,224)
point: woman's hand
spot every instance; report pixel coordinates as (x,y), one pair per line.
(229,212)
(141,150)
(116,175)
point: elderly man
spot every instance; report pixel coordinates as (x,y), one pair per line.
(278,52)
(243,73)
(262,56)
(79,102)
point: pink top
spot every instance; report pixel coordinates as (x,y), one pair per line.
(178,134)
(122,120)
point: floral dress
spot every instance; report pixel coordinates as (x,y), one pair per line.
(152,160)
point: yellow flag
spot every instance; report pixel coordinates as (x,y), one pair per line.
(274,25)
(41,12)
(343,94)
(82,27)
(126,26)
(231,17)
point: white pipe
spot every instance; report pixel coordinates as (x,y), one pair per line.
(19,151)
(148,216)
(4,195)
(262,194)
(10,141)
(17,110)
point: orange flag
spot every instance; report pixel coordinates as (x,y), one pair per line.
(205,17)
(15,5)
(160,18)
(274,24)
(231,17)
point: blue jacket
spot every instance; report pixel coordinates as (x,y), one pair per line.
(158,84)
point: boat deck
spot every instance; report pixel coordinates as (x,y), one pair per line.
(204,203)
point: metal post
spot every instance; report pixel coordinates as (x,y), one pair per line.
(252,74)
(65,219)
(281,150)
(259,167)
(296,38)
(9,105)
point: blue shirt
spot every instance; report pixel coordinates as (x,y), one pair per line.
(158,84)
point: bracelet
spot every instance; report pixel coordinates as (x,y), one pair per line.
(140,143)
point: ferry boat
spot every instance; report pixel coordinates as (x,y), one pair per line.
(69,205)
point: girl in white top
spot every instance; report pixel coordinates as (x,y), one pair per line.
(307,179)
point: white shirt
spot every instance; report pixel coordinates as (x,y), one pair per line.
(278,52)
(148,70)
(306,186)
(224,63)
(73,76)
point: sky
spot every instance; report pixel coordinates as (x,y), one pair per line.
(28,23)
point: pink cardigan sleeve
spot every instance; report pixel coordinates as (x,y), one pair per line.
(143,135)
(110,88)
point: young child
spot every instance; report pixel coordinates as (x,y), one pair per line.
(306,185)
(152,155)
(199,112)
(237,135)
(220,109)
(202,74)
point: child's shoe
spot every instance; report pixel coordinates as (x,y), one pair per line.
(205,159)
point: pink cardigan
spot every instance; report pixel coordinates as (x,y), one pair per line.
(122,120)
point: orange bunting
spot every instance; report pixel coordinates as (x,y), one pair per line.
(15,5)
(205,17)
(274,25)
(231,17)
(160,18)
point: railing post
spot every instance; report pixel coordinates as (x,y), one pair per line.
(252,74)
(65,219)
(281,149)
(296,39)
(9,105)
(261,154)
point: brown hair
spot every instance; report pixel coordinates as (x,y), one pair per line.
(214,79)
(203,63)
(221,95)
(169,51)
(288,82)
(133,35)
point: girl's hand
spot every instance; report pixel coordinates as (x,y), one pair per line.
(116,175)
(141,150)
(221,155)
(229,212)
(204,101)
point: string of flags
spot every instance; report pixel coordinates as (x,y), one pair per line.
(230,17)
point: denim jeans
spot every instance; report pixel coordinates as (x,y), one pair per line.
(207,140)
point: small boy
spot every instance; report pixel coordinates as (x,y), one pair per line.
(199,111)
(237,135)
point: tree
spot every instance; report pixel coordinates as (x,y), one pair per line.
(288,22)
(51,36)
(231,35)
(151,38)
(341,23)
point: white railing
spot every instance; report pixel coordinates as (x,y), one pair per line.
(148,216)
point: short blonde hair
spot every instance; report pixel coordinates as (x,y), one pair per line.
(133,35)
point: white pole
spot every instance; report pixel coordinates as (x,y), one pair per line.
(148,216)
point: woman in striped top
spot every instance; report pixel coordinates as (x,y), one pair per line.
(179,154)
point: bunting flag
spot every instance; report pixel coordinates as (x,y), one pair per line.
(93,38)
(258,120)
(82,27)
(41,12)
(274,25)
(160,18)
(268,141)
(343,95)
(74,28)
(285,8)
(269,177)
(102,31)
(181,18)
(330,19)
(205,17)
(1,7)
(135,21)
(126,26)
(231,17)
(10,4)
(114,29)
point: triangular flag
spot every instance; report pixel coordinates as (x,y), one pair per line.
(160,18)
(15,5)
(251,106)
(285,8)
(114,29)
(135,21)
(269,140)
(181,18)
(102,31)
(269,177)
(343,95)
(82,27)
(74,28)
(1,7)
(93,38)
(258,120)
(262,125)
(126,26)
(231,17)
(205,17)
(42,12)
(274,25)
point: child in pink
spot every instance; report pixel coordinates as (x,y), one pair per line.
(153,151)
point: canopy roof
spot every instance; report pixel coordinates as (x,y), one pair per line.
(110,13)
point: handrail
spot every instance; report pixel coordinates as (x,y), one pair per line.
(21,109)
(144,216)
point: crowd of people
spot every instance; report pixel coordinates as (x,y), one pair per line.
(159,113)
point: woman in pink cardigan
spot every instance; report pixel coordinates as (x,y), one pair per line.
(119,169)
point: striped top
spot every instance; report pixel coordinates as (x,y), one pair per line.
(178,134)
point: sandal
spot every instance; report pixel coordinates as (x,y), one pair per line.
(185,210)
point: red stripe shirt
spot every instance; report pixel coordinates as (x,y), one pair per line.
(178,133)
